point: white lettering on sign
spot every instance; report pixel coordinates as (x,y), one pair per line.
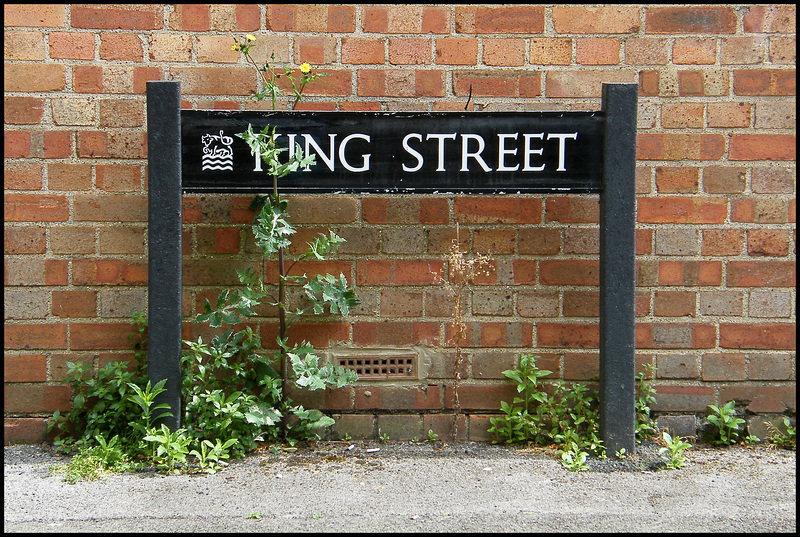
(511,154)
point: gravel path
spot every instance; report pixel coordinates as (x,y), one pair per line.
(437,487)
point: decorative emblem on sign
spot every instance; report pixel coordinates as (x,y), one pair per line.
(217,152)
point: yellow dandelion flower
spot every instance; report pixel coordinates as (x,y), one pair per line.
(234,47)
(250,37)
(305,68)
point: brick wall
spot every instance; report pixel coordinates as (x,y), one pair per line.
(716,184)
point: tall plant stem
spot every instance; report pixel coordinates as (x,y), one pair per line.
(284,361)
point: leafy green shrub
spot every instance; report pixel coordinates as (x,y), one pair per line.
(569,417)
(727,423)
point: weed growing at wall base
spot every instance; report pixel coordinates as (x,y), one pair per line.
(568,418)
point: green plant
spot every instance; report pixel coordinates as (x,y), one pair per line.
(275,376)
(573,459)
(212,456)
(672,454)
(172,447)
(92,463)
(645,398)
(727,423)
(519,423)
(787,440)
(432,437)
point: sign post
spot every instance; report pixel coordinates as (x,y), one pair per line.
(198,151)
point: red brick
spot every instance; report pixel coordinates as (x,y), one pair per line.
(724,367)
(680,146)
(763,147)
(34,77)
(675,303)
(768,242)
(678,210)
(677,180)
(71,46)
(480,396)
(765,82)
(71,304)
(767,336)
(729,115)
(20,398)
(690,20)
(722,242)
(38,15)
(504,52)
(569,272)
(690,273)
(190,18)
(24,240)
(584,83)
(141,17)
(121,47)
(100,336)
(762,399)
(24,430)
(572,210)
(16,144)
(366,333)
(35,336)
(610,19)
(598,51)
(23,110)
(770,19)
(406,19)
(108,272)
(24,368)
(456,51)
(527,19)
(568,335)
(57,144)
(674,398)
(488,210)
(110,208)
(36,208)
(22,176)
(409,51)
(762,273)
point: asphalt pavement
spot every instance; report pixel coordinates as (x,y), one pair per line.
(373,487)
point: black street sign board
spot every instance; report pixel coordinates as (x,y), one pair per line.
(399,152)
(194,151)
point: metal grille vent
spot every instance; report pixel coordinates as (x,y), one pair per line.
(381,367)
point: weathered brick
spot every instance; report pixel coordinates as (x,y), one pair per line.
(764,82)
(492,20)
(144,17)
(35,208)
(39,15)
(598,51)
(121,47)
(771,336)
(504,52)
(762,273)
(690,20)
(763,147)
(456,51)
(676,210)
(611,19)
(770,19)
(34,77)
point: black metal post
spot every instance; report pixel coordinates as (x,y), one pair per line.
(617,270)
(164,238)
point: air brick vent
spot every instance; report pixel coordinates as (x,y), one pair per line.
(392,367)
